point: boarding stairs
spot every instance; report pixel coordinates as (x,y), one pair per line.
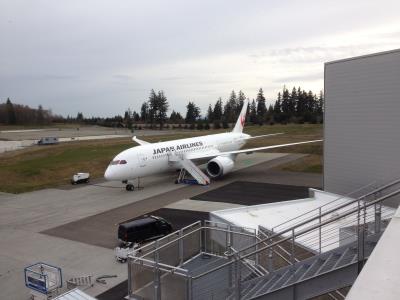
(187,166)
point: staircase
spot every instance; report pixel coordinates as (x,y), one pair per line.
(277,264)
(192,169)
(311,277)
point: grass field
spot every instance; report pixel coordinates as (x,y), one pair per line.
(48,166)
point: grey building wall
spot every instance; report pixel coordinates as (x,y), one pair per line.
(362,121)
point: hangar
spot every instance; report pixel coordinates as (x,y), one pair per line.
(361,121)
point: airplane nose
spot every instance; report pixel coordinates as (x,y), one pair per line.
(107,174)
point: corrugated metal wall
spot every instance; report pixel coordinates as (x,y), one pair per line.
(362,121)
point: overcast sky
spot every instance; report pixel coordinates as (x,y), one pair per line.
(101,57)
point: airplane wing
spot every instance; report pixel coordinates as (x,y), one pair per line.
(140,142)
(264,135)
(217,153)
(200,155)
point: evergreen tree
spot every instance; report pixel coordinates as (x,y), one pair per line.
(253,112)
(11,117)
(301,105)
(320,103)
(285,106)
(144,112)
(128,118)
(230,108)
(162,108)
(175,117)
(79,117)
(218,110)
(172,117)
(292,103)
(135,117)
(153,106)
(192,113)
(241,98)
(261,107)
(210,114)
(278,104)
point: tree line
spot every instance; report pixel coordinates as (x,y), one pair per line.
(295,106)
(17,114)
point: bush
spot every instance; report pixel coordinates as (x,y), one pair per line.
(192,126)
(200,126)
(225,125)
(207,126)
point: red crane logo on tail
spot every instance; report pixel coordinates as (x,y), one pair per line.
(242,119)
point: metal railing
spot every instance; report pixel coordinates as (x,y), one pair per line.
(240,254)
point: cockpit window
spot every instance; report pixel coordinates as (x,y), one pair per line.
(118,162)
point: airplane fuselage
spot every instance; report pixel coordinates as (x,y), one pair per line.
(150,159)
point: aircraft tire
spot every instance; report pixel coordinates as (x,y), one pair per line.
(130,187)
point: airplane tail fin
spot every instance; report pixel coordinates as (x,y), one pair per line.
(242,118)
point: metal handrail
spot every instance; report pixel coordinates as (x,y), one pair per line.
(299,233)
(323,214)
(167,236)
(343,197)
(161,266)
(187,234)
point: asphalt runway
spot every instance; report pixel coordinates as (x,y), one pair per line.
(254,193)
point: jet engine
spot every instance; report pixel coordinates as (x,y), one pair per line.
(219,166)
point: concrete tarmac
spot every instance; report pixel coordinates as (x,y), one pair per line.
(24,217)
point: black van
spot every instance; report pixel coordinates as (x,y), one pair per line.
(143,229)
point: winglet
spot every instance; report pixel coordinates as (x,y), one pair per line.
(140,142)
(242,118)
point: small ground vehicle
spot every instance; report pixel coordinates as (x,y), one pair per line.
(48,141)
(80,178)
(143,229)
(122,251)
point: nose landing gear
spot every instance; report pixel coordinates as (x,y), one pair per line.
(130,185)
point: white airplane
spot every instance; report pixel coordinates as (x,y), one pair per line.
(220,150)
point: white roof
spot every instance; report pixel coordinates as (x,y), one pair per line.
(75,294)
(273,214)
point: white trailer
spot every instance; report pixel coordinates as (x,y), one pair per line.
(80,178)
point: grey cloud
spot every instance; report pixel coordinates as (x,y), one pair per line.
(94,51)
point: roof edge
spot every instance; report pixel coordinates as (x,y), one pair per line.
(363,56)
